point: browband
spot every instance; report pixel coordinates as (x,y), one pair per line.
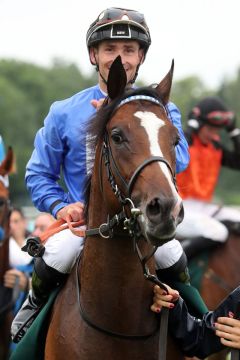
(140,97)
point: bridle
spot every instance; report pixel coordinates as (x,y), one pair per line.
(130,224)
(113,172)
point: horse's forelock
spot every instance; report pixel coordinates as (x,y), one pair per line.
(99,122)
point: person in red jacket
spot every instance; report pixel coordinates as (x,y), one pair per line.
(205,223)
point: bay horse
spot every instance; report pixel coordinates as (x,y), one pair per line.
(6,315)
(133,207)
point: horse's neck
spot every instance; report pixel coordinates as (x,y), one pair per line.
(112,278)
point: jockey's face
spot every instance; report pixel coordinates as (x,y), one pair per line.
(209,133)
(108,50)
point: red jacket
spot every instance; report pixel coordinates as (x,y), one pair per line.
(199,180)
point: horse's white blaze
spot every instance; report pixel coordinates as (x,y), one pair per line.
(152,124)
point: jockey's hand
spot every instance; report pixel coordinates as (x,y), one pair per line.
(97,103)
(10,279)
(74,211)
(161,298)
(228,329)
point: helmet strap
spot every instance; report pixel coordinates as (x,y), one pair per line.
(97,69)
(104,80)
(132,81)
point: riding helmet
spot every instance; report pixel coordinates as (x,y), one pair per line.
(117,23)
(212,111)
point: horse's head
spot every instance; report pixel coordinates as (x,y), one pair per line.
(139,151)
(6,167)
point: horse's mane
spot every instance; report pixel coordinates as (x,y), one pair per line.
(98,123)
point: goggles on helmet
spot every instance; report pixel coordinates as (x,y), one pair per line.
(118,14)
(220,118)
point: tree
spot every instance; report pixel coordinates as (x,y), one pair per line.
(27,90)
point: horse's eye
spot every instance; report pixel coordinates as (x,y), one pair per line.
(117,137)
(177,141)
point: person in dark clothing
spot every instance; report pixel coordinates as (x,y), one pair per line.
(201,337)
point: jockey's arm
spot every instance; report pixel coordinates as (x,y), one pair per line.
(182,154)
(45,165)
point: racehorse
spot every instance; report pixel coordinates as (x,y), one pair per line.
(103,311)
(5,294)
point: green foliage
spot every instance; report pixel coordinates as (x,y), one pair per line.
(186,93)
(27,91)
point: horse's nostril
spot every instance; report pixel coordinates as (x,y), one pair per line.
(153,208)
(181,214)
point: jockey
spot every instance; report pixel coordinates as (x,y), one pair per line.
(207,224)
(61,147)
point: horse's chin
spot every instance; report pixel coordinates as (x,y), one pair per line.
(159,240)
(158,234)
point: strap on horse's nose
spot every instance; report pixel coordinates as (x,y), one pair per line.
(143,165)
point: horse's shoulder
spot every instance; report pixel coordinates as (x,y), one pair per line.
(69,291)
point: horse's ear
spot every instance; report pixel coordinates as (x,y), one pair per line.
(117,79)
(8,165)
(164,87)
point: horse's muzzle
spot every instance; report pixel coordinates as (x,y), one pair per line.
(160,219)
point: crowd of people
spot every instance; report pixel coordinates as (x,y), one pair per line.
(20,262)
(61,145)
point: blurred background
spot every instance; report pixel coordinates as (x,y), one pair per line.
(43,58)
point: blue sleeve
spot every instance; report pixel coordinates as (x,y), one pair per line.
(44,167)
(182,154)
(2,149)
